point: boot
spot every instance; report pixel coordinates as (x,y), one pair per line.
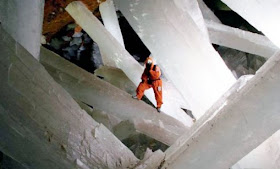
(158,109)
(135,97)
(194,120)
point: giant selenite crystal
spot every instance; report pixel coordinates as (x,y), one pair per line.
(110,20)
(173,101)
(185,55)
(236,126)
(151,160)
(241,40)
(263,15)
(111,23)
(207,13)
(95,92)
(264,156)
(235,38)
(23,20)
(41,126)
(116,77)
(191,7)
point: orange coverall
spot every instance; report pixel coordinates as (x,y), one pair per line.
(151,78)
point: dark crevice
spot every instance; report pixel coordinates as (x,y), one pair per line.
(133,43)
(229,17)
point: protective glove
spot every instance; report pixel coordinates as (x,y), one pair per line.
(150,81)
(147,72)
(148,66)
(154,68)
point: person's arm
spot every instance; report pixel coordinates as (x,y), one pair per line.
(155,73)
(145,75)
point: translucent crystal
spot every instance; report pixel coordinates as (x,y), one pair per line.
(264,156)
(186,57)
(42,126)
(24,24)
(191,7)
(263,15)
(110,20)
(207,13)
(112,49)
(241,40)
(89,89)
(234,126)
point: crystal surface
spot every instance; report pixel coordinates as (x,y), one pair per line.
(101,95)
(263,15)
(191,7)
(42,126)
(231,129)
(207,13)
(186,57)
(264,156)
(22,23)
(241,40)
(112,49)
(110,19)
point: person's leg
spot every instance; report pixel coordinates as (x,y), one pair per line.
(141,88)
(157,87)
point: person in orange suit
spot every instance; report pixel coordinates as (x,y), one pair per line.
(150,79)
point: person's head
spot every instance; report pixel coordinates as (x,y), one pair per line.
(149,62)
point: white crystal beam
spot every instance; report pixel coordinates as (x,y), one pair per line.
(185,55)
(235,38)
(152,161)
(207,13)
(110,20)
(101,95)
(24,20)
(111,23)
(123,60)
(264,156)
(247,118)
(191,7)
(263,15)
(41,126)
(241,40)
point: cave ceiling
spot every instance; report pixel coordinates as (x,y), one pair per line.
(55,16)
